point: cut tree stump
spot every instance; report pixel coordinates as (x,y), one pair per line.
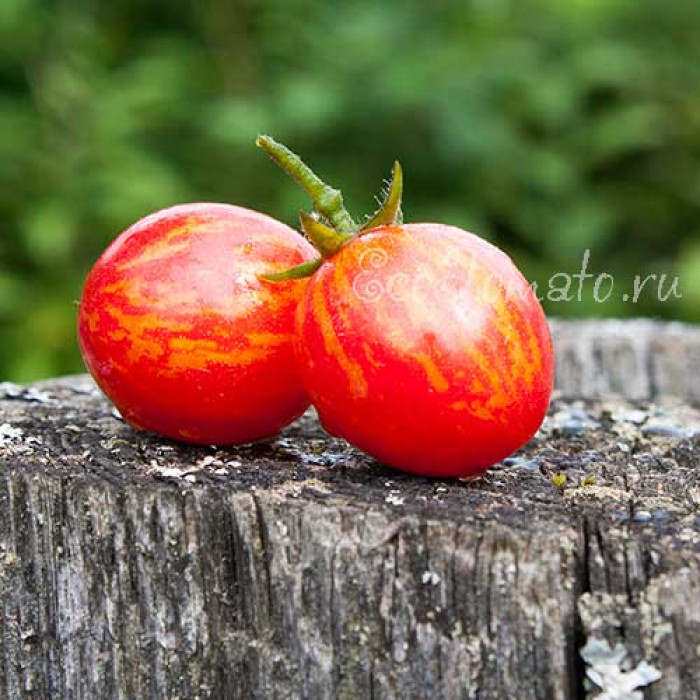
(133,567)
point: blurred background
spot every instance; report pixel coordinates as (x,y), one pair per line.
(546,126)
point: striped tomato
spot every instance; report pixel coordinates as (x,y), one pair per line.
(420,344)
(180,332)
(426,348)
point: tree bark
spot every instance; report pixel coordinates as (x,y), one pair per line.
(132,567)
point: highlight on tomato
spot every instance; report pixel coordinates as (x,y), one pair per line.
(181,333)
(420,344)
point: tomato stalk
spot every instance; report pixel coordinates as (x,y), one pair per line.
(328,203)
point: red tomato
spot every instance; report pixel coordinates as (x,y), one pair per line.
(181,334)
(425,347)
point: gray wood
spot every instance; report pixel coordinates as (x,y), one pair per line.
(131,567)
(637,359)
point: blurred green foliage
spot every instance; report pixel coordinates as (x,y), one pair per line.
(547,126)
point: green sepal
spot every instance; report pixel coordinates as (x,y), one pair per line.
(325,239)
(294,273)
(389,213)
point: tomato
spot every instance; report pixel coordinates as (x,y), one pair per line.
(420,344)
(180,332)
(425,347)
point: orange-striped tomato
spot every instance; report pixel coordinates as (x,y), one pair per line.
(181,334)
(425,347)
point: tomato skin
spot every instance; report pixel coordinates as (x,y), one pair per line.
(181,334)
(425,347)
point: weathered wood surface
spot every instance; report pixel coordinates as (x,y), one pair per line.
(131,567)
(637,359)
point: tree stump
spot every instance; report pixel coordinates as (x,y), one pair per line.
(133,567)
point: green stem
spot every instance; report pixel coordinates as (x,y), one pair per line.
(327,200)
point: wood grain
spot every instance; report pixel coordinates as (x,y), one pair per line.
(131,567)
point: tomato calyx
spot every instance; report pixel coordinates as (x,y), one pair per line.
(389,212)
(297,272)
(331,226)
(325,239)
